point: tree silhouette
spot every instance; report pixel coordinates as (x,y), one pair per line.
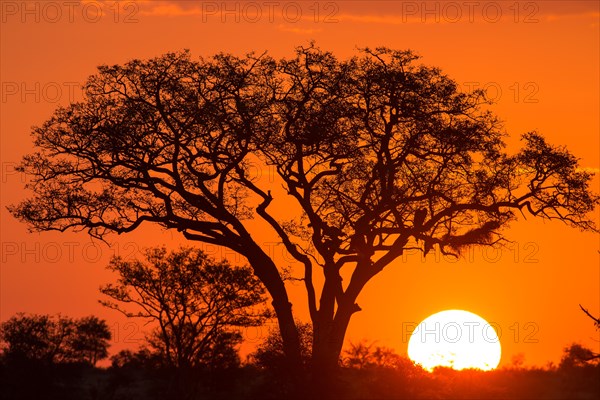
(363,354)
(378,153)
(195,301)
(90,339)
(35,337)
(270,355)
(576,355)
(48,340)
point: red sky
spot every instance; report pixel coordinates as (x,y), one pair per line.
(540,60)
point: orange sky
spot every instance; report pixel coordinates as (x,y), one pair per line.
(539,59)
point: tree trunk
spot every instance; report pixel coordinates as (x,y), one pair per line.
(328,340)
(267,272)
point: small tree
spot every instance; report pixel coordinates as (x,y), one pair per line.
(51,340)
(195,301)
(366,355)
(270,352)
(90,340)
(359,355)
(142,358)
(34,337)
(577,355)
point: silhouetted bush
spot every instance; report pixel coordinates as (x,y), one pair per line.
(269,353)
(50,340)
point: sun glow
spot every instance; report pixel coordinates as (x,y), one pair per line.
(457,339)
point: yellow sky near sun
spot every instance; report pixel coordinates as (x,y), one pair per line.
(540,60)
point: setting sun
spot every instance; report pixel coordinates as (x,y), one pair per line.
(456,339)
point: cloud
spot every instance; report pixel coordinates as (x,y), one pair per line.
(376,12)
(169,8)
(593,15)
(435,12)
(298,30)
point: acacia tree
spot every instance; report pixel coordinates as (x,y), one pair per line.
(194,300)
(380,154)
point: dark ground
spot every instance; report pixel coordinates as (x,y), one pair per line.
(131,382)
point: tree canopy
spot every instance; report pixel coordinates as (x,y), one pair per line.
(195,301)
(380,153)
